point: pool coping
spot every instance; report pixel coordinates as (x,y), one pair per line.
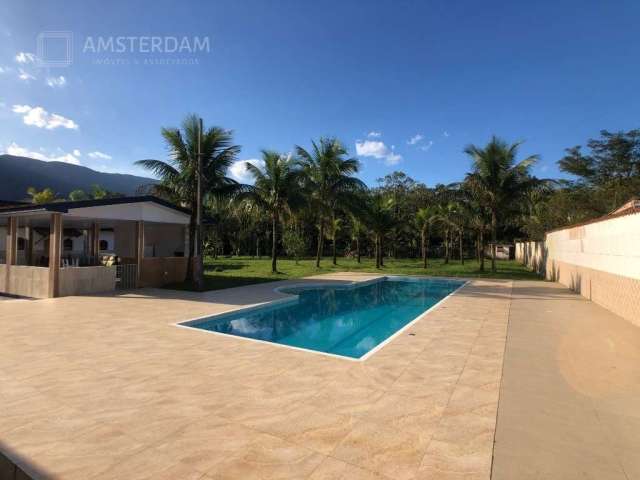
(289,297)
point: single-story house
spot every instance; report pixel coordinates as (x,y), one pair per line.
(89,246)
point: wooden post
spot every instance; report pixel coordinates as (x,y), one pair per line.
(95,241)
(55,250)
(12,241)
(11,250)
(139,251)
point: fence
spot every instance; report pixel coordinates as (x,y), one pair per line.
(599,260)
(126,276)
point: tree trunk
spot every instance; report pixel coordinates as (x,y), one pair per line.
(446,246)
(494,239)
(377,249)
(333,235)
(358,248)
(426,252)
(381,252)
(192,243)
(274,241)
(258,246)
(460,236)
(423,246)
(320,237)
(482,250)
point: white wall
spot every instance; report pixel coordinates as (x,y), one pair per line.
(611,246)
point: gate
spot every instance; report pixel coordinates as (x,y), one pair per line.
(126,276)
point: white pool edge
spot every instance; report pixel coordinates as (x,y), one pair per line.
(292,298)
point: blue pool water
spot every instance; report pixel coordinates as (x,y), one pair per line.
(342,320)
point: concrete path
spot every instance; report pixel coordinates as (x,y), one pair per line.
(570,395)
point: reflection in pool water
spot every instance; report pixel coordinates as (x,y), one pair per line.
(342,320)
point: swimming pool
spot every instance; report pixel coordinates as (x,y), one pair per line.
(345,320)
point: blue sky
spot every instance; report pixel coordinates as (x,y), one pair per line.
(279,73)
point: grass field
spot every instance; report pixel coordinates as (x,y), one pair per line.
(238,271)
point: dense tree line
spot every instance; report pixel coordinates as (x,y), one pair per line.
(311,202)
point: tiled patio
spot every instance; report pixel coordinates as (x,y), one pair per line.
(105,387)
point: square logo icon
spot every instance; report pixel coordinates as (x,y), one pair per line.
(54,49)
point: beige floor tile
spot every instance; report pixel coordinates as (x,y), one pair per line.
(333,469)
(382,449)
(306,426)
(267,457)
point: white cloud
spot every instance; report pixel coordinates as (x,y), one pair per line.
(39,117)
(56,82)
(426,146)
(417,138)
(76,152)
(238,170)
(3,69)
(25,57)
(100,155)
(26,76)
(445,134)
(377,149)
(17,150)
(374,134)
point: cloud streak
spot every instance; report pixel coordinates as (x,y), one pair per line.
(417,138)
(25,57)
(99,155)
(378,149)
(56,82)
(238,169)
(39,117)
(18,151)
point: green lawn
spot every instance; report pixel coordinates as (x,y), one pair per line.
(238,271)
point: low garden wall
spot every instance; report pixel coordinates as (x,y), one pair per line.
(25,281)
(87,280)
(599,260)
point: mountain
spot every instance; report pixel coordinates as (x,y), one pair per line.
(19,173)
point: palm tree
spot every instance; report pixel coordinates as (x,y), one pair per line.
(178,175)
(425,218)
(380,219)
(329,181)
(447,218)
(500,179)
(357,229)
(334,227)
(275,190)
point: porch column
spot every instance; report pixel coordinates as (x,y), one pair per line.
(12,241)
(94,249)
(139,251)
(12,249)
(55,250)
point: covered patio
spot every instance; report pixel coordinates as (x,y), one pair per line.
(90,246)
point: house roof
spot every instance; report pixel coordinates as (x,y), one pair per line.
(64,207)
(10,203)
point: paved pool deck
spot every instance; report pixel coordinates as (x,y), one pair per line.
(105,387)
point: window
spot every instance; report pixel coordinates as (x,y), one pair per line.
(67,245)
(104,245)
(22,243)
